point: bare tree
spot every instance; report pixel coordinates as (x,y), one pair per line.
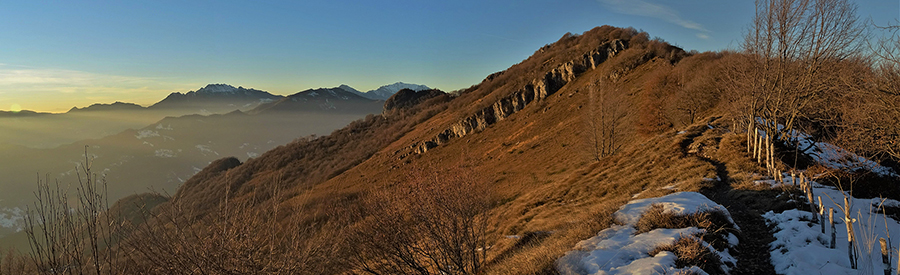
(886,136)
(73,236)
(607,112)
(867,122)
(791,45)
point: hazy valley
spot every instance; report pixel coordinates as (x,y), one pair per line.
(158,147)
(609,151)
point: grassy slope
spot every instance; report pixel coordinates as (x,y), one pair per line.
(536,160)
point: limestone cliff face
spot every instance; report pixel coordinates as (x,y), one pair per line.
(535,91)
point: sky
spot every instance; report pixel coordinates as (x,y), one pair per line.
(55,55)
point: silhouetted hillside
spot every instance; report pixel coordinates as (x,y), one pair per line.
(325,100)
(116,106)
(216,98)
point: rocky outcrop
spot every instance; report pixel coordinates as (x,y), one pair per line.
(535,91)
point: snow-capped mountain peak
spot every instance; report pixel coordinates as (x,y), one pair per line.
(349,89)
(218,89)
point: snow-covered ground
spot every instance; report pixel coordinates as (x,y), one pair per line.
(832,156)
(836,157)
(618,250)
(802,248)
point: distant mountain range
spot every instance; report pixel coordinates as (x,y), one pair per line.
(386,91)
(22,113)
(341,99)
(48,130)
(117,106)
(217,98)
(224,98)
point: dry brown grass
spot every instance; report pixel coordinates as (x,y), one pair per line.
(713,221)
(536,253)
(577,208)
(691,252)
(13,263)
(432,223)
(241,237)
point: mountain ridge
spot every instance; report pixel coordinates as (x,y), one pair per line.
(115,106)
(341,98)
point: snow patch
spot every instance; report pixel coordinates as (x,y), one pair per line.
(617,250)
(142,134)
(832,156)
(682,203)
(12,218)
(801,248)
(164,153)
(206,150)
(836,157)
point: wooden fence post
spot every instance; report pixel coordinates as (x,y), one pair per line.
(755,138)
(802,182)
(758,149)
(849,221)
(833,231)
(885,257)
(812,207)
(793,178)
(768,158)
(821,214)
(771,156)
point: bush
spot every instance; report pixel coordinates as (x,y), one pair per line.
(433,223)
(691,252)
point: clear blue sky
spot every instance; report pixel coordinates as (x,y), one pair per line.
(59,54)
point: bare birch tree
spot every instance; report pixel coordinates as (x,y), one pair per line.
(790,47)
(607,111)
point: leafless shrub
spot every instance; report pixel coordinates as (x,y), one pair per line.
(73,236)
(242,237)
(12,263)
(691,252)
(433,223)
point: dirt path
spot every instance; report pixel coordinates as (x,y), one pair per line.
(752,252)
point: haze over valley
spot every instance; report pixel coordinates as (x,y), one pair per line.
(528,137)
(156,148)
